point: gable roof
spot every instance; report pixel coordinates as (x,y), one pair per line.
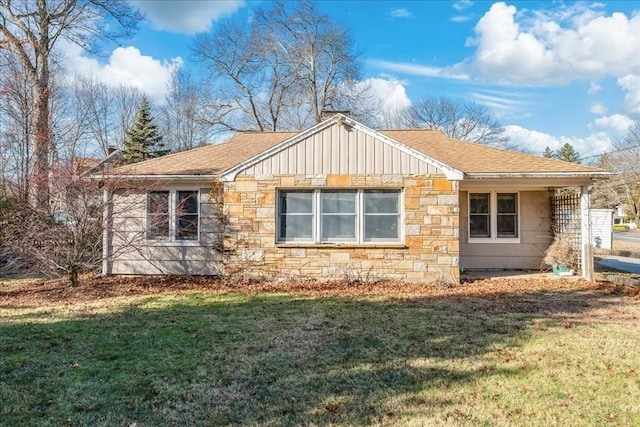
(453,156)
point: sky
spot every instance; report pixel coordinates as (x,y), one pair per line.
(551,72)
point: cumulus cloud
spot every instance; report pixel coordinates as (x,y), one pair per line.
(460,18)
(554,48)
(535,141)
(186,16)
(598,108)
(616,122)
(631,84)
(126,66)
(390,92)
(400,13)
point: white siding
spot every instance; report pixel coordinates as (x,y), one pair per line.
(601,228)
(341,150)
(535,237)
(132,254)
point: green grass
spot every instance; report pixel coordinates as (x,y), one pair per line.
(273,359)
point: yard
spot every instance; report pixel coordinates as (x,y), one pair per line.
(194,352)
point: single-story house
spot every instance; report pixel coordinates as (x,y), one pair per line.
(338,200)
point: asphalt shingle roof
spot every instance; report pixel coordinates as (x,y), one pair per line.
(466,157)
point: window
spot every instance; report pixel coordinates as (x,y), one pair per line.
(173,215)
(339,216)
(493,216)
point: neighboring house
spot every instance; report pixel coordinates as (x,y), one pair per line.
(338,199)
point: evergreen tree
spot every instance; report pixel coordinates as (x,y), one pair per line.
(568,153)
(142,140)
(548,152)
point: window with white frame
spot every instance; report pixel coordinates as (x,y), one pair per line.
(339,216)
(173,215)
(493,216)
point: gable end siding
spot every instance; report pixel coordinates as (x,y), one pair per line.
(341,150)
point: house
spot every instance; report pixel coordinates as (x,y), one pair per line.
(339,199)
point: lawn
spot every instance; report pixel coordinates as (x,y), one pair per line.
(171,353)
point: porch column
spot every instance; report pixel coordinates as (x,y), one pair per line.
(585,230)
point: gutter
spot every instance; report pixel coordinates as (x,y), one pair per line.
(491,175)
(156,177)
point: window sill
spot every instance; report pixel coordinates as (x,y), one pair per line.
(176,243)
(376,245)
(489,240)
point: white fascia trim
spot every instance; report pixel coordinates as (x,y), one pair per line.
(230,174)
(494,175)
(156,177)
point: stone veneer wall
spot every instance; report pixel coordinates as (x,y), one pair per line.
(429,253)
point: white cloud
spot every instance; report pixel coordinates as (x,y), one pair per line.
(631,84)
(417,69)
(186,16)
(598,108)
(616,122)
(575,43)
(462,4)
(535,141)
(594,88)
(390,93)
(126,66)
(460,18)
(504,103)
(400,13)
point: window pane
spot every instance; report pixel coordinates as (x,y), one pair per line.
(187,215)
(479,203)
(479,226)
(157,215)
(338,202)
(296,202)
(296,227)
(338,227)
(507,203)
(507,226)
(377,201)
(380,227)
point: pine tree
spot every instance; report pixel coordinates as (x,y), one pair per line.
(548,152)
(568,153)
(142,140)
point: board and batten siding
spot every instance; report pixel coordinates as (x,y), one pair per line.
(131,253)
(341,150)
(535,237)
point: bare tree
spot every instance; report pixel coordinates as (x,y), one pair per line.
(109,112)
(181,118)
(31,30)
(466,121)
(624,186)
(282,70)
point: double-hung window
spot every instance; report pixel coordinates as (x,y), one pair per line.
(173,215)
(493,216)
(339,216)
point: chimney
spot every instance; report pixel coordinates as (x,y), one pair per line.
(325,114)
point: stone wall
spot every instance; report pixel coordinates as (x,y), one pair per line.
(430,250)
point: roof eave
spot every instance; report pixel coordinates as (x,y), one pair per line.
(539,175)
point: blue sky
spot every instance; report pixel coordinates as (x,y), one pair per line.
(552,72)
